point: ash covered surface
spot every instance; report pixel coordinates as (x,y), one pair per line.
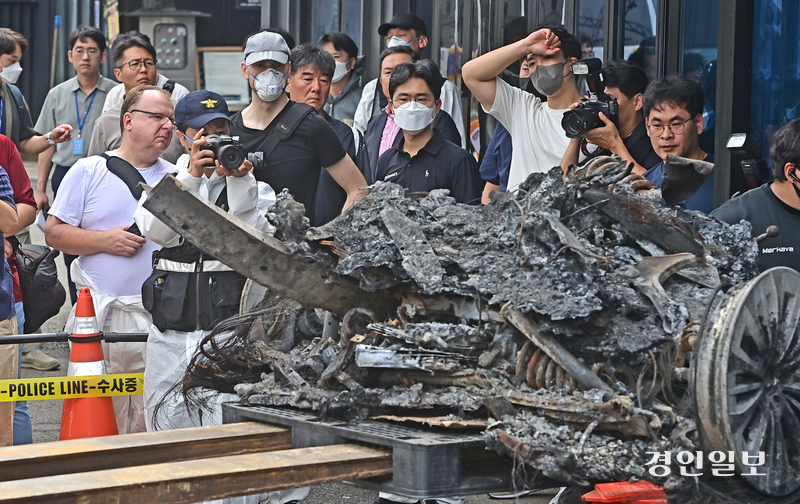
(550,252)
(571,255)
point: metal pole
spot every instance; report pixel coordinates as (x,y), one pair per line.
(111,337)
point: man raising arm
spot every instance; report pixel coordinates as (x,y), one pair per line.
(538,140)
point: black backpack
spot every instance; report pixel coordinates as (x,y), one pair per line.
(42,293)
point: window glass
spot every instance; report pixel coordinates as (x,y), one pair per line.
(591,27)
(639,31)
(352,21)
(775,96)
(699,59)
(326,18)
(451,52)
(551,11)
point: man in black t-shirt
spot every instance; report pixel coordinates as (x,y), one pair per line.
(775,203)
(628,139)
(423,160)
(295,162)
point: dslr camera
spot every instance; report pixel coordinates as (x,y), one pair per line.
(230,153)
(586,116)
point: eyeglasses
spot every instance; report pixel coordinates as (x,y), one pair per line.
(676,128)
(137,64)
(159,118)
(92,52)
(422,100)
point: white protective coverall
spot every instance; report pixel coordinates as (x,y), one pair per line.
(169,352)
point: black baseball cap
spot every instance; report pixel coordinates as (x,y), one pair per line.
(200,107)
(406,21)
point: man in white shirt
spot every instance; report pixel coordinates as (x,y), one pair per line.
(538,140)
(91,217)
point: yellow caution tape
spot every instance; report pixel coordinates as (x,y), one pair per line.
(71,387)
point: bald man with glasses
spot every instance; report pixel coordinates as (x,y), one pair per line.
(134,65)
(92,216)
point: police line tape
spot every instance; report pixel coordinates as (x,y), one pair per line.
(71,387)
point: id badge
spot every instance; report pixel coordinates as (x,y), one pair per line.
(77,146)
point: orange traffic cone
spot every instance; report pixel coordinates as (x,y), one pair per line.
(88,416)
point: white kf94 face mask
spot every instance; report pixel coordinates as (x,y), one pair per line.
(397,41)
(412,117)
(11,73)
(339,72)
(269,84)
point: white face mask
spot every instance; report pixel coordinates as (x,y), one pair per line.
(270,84)
(11,73)
(340,72)
(413,117)
(397,41)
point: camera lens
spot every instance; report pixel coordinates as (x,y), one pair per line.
(573,123)
(230,156)
(584,118)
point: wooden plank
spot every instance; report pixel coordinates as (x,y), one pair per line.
(256,255)
(92,454)
(197,480)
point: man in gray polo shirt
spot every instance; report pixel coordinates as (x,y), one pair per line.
(77,102)
(134,65)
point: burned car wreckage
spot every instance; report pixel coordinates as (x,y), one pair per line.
(579,324)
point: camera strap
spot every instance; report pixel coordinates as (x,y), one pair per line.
(125,171)
(284,129)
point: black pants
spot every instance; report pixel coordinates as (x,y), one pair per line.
(58,176)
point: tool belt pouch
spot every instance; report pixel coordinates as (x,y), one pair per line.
(219,294)
(191,301)
(168,297)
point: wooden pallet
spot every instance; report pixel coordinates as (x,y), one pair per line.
(178,466)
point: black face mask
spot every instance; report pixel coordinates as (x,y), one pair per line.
(524,82)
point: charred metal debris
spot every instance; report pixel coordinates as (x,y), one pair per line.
(562,316)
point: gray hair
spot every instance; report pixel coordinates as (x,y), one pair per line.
(313,55)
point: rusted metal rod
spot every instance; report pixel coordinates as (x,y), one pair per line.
(553,349)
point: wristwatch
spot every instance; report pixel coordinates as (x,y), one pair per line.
(47,137)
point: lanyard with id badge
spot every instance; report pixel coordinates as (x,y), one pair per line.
(77,143)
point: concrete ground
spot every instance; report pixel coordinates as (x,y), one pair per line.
(46,415)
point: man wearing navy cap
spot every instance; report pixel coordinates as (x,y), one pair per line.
(307,141)
(178,324)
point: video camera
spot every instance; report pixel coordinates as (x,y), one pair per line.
(586,116)
(230,152)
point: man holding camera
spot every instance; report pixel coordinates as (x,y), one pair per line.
(538,140)
(295,140)
(775,203)
(91,217)
(174,335)
(625,137)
